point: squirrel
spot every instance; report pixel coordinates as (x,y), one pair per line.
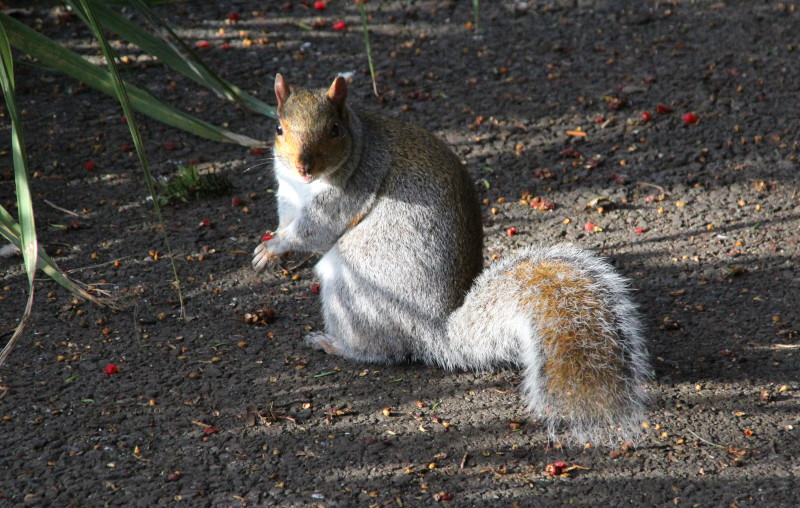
(395,217)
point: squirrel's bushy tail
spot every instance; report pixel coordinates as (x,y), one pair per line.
(564,316)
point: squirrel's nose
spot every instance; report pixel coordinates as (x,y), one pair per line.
(305,163)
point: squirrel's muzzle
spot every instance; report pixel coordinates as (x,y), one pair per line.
(304,172)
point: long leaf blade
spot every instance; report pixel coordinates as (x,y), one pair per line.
(122,95)
(190,65)
(10,230)
(28,242)
(51,54)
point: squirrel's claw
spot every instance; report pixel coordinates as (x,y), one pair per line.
(262,258)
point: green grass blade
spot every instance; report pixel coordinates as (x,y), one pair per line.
(27,226)
(362,10)
(51,54)
(11,231)
(122,94)
(124,3)
(189,65)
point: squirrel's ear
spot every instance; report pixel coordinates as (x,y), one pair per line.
(338,90)
(282,90)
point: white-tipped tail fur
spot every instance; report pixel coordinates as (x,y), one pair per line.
(564,316)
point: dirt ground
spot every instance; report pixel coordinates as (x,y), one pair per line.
(704,218)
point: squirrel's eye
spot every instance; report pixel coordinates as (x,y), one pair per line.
(335,131)
(279,130)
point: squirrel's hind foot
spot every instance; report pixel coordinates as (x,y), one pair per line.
(324,342)
(341,347)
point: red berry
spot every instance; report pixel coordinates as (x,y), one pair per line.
(202,44)
(689,118)
(546,204)
(257,151)
(511,231)
(315,288)
(319,5)
(125,148)
(615,104)
(236,201)
(645,116)
(663,109)
(339,25)
(555,469)
(234,16)
(205,222)
(267,237)
(589,226)
(110,369)
(89,165)
(639,230)
(615,177)
(169,146)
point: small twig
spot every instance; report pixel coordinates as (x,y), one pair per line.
(705,440)
(300,264)
(271,405)
(645,184)
(60,209)
(464,461)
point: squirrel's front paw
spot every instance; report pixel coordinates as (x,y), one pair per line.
(265,255)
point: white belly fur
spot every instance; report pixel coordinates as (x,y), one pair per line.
(328,268)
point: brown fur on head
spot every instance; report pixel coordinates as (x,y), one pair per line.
(313,135)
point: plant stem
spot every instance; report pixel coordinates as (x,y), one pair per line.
(362,10)
(122,94)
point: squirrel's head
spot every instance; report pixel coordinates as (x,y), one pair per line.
(313,133)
